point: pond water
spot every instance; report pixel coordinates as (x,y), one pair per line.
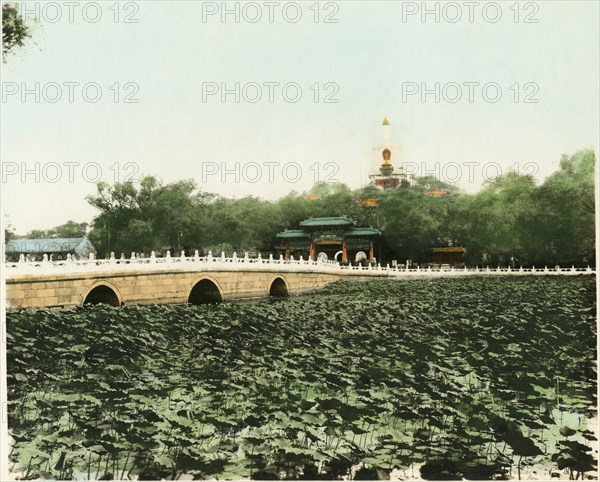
(434,379)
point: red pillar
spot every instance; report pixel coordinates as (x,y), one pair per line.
(344,252)
(287,252)
(311,253)
(371,254)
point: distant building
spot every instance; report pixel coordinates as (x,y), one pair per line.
(383,174)
(329,238)
(452,255)
(34,249)
(436,192)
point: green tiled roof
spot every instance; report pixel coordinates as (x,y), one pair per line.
(50,245)
(293,234)
(363,232)
(333,221)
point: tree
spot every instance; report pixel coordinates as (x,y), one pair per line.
(567,211)
(9,232)
(70,229)
(510,219)
(151,216)
(14,29)
(432,182)
(412,221)
(501,221)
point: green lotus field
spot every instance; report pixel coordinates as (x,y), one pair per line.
(435,379)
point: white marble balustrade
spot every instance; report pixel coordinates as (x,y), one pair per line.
(245,262)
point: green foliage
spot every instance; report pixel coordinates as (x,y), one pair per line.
(152,216)
(8,235)
(567,212)
(459,378)
(414,219)
(70,229)
(511,220)
(14,29)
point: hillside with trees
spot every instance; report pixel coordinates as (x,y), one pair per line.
(511,217)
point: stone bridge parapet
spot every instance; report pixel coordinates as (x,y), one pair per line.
(197,280)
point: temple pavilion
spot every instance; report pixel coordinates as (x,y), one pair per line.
(335,238)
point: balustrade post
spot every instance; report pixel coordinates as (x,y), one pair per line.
(112,257)
(22,258)
(168,256)
(281,259)
(182,254)
(271,258)
(259,259)
(234,258)
(196,256)
(45,258)
(222,256)
(132,255)
(209,256)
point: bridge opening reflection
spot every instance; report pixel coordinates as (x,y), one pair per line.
(203,292)
(278,288)
(102,295)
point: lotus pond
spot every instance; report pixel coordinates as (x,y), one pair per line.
(439,379)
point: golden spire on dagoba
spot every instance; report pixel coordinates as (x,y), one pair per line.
(385,122)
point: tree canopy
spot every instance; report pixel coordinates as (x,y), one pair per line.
(14,29)
(512,219)
(70,229)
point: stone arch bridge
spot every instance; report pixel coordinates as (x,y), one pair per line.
(162,283)
(198,280)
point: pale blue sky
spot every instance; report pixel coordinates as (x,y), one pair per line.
(369,53)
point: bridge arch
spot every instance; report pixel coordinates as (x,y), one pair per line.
(104,293)
(205,290)
(278,287)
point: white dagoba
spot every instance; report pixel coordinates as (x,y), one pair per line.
(379,155)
